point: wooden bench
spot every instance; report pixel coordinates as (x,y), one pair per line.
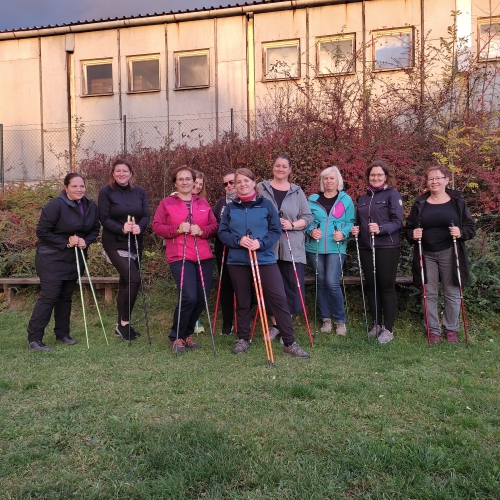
(106,282)
(355,280)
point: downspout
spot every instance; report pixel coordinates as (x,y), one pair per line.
(251,118)
(42,138)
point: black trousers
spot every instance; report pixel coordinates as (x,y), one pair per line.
(290,286)
(226,295)
(274,295)
(121,265)
(55,296)
(386,262)
(193,299)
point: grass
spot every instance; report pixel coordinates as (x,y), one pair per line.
(356,420)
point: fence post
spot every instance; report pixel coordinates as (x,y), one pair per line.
(232,121)
(2,178)
(124,134)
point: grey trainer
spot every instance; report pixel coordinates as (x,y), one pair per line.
(373,331)
(385,336)
(340,328)
(326,327)
(295,350)
(38,345)
(273,333)
(241,346)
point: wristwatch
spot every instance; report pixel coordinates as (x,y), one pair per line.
(293,227)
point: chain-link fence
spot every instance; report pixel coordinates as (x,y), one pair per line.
(34,153)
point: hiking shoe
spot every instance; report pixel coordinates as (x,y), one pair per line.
(385,336)
(241,346)
(198,328)
(67,340)
(295,350)
(326,327)
(434,338)
(373,331)
(191,344)
(274,332)
(451,336)
(178,345)
(38,345)
(122,331)
(340,328)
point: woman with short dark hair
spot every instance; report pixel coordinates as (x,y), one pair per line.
(117,201)
(68,221)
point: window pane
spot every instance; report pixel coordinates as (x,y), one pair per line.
(490,41)
(282,62)
(99,79)
(193,71)
(392,51)
(146,75)
(335,56)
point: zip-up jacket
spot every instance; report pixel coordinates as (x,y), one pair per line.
(218,210)
(341,217)
(60,219)
(114,207)
(261,218)
(385,207)
(294,207)
(171,212)
(467,229)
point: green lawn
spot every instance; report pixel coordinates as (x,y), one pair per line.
(356,420)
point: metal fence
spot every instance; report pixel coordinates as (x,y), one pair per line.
(34,153)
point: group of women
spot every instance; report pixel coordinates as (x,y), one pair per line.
(281,225)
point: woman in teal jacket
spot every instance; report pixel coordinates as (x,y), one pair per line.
(333,217)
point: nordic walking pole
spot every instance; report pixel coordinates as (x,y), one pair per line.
(180,293)
(93,294)
(203,286)
(462,301)
(142,286)
(129,219)
(81,295)
(362,287)
(254,324)
(342,273)
(316,285)
(235,314)
(218,289)
(298,284)
(424,292)
(261,305)
(370,220)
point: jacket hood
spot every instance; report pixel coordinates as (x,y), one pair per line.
(70,203)
(267,185)
(315,197)
(453,193)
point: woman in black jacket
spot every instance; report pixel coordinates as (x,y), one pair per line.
(380,216)
(68,221)
(436,218)
(117,201)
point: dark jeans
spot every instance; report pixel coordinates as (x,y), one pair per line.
(193,300)
(274,294)
(386,262)
(226,295)
(121,265)
(55,296)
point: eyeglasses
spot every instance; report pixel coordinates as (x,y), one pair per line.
(187,179)
(228,183)
(432,179)
(377,175)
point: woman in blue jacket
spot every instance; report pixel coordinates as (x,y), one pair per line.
(250,222)
(380,214)
(333,212)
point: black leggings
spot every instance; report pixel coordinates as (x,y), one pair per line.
(386,261)
(121,265)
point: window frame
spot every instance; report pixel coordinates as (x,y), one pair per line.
(276,44)
(410,30)
(130,72)
(190,53)
(95,62)
(333,39)
(487,21)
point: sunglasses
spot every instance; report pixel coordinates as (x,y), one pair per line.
(228,183)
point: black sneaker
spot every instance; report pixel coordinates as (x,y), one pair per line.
(38,345)
(123,332)
(67,340)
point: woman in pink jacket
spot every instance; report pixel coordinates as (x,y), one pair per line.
(179,218)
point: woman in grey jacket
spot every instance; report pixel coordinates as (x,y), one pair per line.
(295,216)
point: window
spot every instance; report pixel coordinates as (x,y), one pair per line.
(281,60)
(97,77)
(335,55)
(143,73)
(192,70)
(489,38)
(393,49)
